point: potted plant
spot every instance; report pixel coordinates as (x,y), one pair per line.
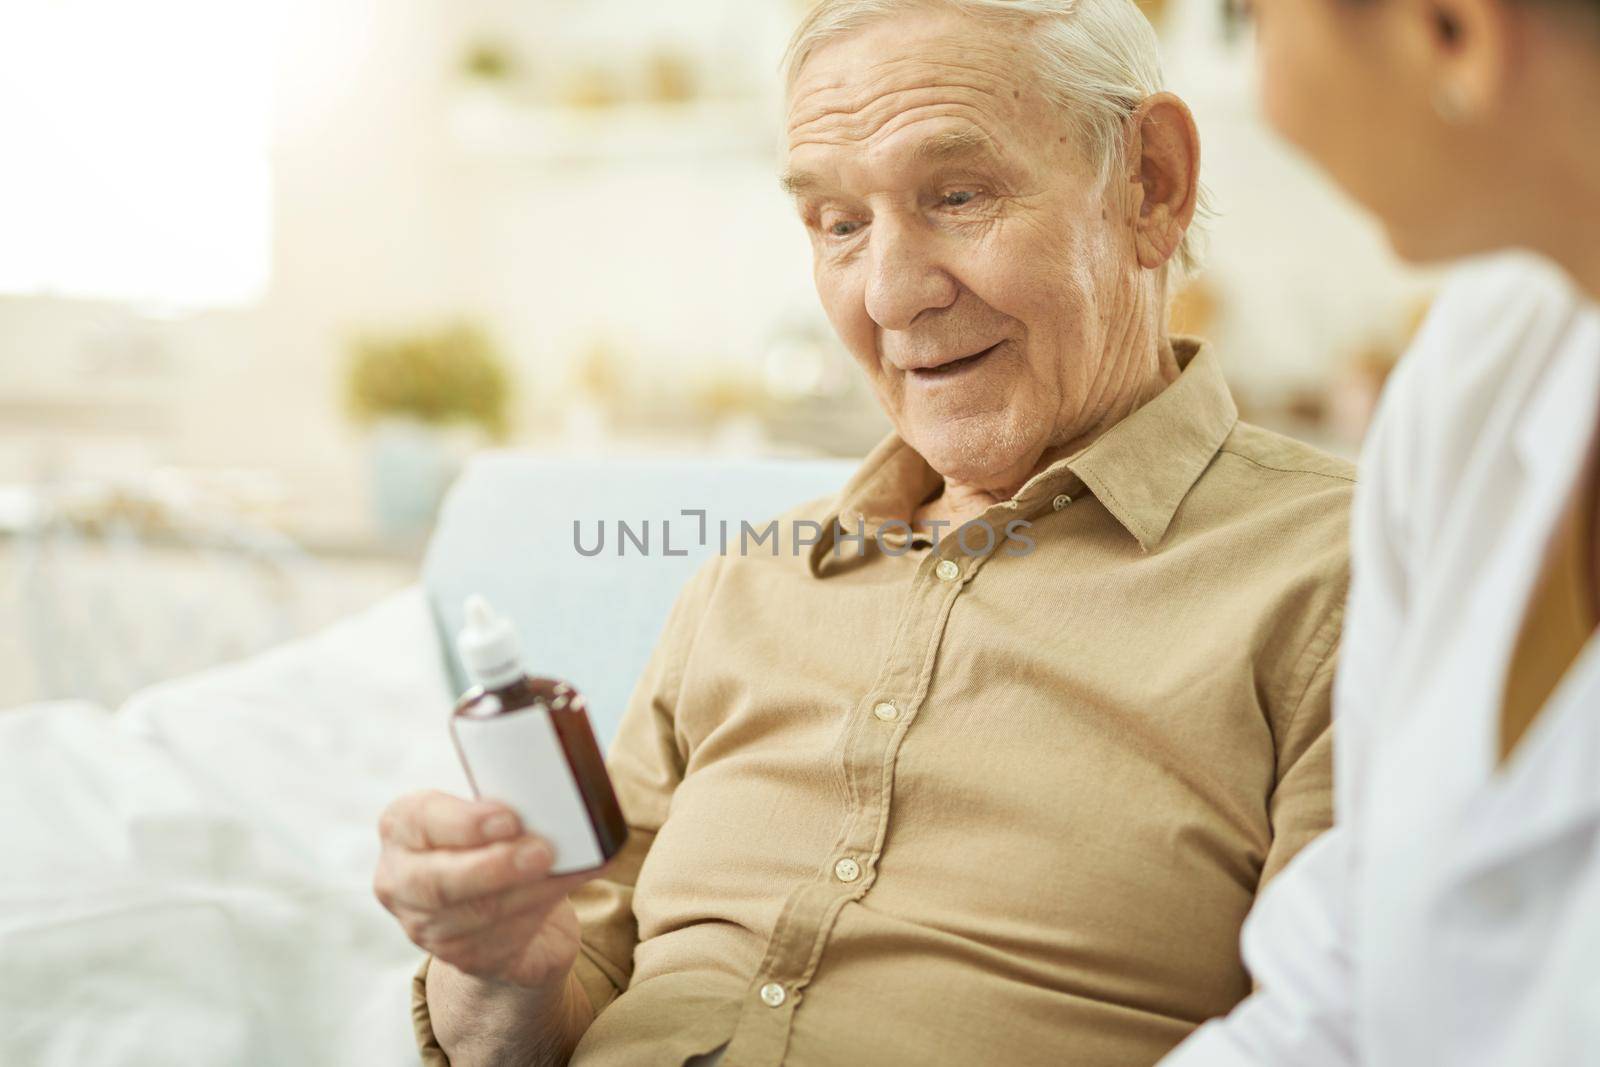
(427,399)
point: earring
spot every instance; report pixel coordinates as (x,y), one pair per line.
(1450,103)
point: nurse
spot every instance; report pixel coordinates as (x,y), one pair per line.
(1452,916)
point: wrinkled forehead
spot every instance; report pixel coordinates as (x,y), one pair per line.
(894,73)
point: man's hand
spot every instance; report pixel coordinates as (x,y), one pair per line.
(471,888)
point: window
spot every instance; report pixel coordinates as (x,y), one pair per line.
(134,145)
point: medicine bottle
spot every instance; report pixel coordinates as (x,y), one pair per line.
(526,741)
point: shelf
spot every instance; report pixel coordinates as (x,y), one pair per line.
(487,127)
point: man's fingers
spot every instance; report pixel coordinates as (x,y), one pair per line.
(521,906)
(433,819)
(441,878)
(479,927)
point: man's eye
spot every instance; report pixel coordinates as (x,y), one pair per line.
(959,198)
(841,229)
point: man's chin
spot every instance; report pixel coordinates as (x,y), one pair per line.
(979,451)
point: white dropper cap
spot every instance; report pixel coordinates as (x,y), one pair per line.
(488,645)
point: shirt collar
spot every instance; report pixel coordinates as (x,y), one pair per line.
(1140,470)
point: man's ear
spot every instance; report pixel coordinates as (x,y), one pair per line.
(1165,147)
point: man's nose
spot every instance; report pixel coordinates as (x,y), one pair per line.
(905,277)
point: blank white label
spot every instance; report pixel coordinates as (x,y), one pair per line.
(517,759)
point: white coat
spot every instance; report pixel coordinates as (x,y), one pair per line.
(1452,915)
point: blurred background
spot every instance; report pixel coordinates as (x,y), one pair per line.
(270,269)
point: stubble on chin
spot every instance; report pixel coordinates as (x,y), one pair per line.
(977,451)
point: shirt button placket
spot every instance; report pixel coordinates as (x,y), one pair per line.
(764,1023)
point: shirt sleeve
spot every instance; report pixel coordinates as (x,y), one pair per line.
(646,762)
(427,1044)
(1301,807)
(1298,941)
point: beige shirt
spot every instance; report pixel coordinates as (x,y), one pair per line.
(910,805)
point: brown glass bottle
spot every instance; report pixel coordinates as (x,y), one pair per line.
(527,742)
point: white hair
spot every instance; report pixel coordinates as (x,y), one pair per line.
(1097,59)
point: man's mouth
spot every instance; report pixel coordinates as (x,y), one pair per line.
(954,367)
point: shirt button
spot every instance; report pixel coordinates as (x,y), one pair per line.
(847,869)
(948,570)
(1061,501)
(886,711)
(772,995)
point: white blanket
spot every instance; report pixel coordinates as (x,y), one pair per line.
(188,880)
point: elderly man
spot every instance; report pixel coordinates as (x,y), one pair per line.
(902,798)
